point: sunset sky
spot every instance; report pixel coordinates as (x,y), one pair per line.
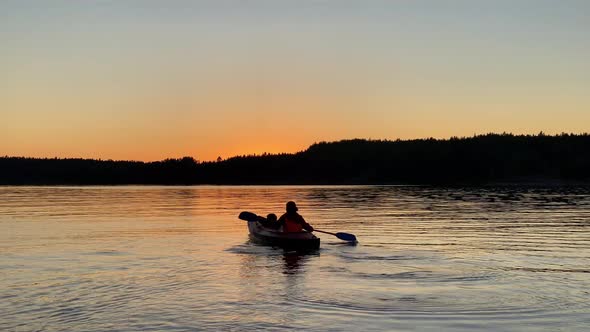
(149,80)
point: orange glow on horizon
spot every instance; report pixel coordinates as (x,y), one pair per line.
(208,80)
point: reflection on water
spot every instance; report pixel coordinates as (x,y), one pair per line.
(177,258)
(293,262)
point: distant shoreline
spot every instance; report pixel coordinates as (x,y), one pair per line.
(484,160)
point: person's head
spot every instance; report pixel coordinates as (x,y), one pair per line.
(271,217)
(291,207)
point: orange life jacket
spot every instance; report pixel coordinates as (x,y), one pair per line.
(293,224)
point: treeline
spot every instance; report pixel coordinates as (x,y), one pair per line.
(491,158)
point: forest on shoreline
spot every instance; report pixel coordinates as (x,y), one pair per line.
(481,159)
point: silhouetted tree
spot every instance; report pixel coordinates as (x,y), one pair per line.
(473,160)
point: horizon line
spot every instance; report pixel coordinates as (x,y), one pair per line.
(541,133)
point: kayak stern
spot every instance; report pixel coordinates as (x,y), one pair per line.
(275,238)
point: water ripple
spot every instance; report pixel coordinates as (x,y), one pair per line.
(178,259)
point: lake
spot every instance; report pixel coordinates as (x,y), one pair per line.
(153,258)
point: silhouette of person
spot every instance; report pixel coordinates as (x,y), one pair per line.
(293,221)
(270,221)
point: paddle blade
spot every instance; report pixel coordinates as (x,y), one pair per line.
(248,216)
(346,237)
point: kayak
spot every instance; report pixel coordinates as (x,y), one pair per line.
(299,240)
(275,238)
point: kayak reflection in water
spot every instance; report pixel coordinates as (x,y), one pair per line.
(293,221)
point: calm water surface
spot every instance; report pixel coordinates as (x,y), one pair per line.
(178,259)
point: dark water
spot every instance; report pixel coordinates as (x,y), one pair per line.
(178,259)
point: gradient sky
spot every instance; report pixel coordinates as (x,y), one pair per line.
(149,80)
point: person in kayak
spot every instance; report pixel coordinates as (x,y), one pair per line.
(293,221)
(270,221)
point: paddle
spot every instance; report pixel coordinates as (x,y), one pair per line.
(342,236)
(249,216)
